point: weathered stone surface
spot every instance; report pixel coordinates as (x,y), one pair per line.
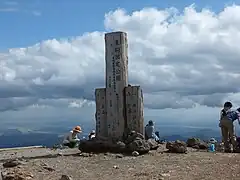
(153,144)
(197,143)
(176,147)
(134,108)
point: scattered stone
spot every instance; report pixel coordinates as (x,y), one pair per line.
(119,156)
(135,153)
(115,167)
(153,144)
(165,174)
(48,168)
(12,163)
(176,147)
(65,177)
(84,154)
(60,154)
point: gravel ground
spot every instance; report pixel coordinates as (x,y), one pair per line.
(155,165)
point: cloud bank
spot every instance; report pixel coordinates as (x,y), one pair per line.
(181,59)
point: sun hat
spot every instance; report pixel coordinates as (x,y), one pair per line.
(77,129)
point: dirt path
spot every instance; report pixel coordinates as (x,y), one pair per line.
(155,165)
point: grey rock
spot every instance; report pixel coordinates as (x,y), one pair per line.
(139,145)
(119,156)
(153,144)
(176,147)
(135,153)
(197,143)
(65,177)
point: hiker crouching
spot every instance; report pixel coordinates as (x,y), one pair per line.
(150,131)
(71,139)
(227,117)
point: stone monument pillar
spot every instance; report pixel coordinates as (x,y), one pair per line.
(118,107)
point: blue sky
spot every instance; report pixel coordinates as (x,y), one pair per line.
(26,22)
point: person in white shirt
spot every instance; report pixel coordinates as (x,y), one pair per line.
(92,135)
(71,139)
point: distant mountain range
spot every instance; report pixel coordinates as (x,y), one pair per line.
(21,137)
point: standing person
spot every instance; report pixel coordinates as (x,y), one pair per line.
(227,118)
(71,139)
(150,131)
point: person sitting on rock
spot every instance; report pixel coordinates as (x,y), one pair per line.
(150,131)
(92,135)
(71,139)
(227,117)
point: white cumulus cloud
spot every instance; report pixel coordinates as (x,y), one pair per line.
(180,59)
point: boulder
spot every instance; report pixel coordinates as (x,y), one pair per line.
(136,142)
(132,136)
(153,144)
(203,145)
(192,142)
(197,143)
(139,145)
(176,147)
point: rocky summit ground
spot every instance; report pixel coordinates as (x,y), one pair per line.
(46,164)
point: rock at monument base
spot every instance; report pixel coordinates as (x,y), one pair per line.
(153,144)
(176,147)
(132,136)
(197,143)
(101,146)
(135,142)
(139,145)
